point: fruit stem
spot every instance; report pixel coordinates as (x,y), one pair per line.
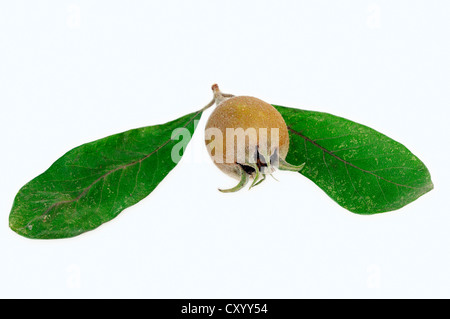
(207,106)
(219,97)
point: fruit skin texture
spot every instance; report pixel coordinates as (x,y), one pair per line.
(245,112)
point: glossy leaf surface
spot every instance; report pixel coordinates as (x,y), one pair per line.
(361,169)
(93,183)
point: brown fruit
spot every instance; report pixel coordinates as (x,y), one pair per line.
(246,138)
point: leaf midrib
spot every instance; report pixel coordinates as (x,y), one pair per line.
(347,162)
(87,189)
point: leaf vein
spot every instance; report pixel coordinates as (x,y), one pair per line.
(346,162)
(123,167)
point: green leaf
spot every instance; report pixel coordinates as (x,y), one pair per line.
(93,183)
(361,169)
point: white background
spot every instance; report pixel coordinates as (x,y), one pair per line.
(75,71)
